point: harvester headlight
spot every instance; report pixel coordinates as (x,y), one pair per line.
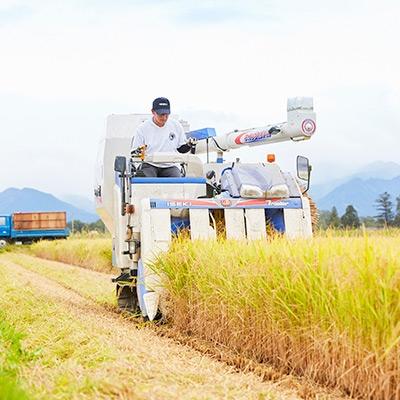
(251,191)
(278,191)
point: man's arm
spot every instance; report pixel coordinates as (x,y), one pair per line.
(138,140)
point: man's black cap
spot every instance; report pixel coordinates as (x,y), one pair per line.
(161,105)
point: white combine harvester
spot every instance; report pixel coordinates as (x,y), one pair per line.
(143,214)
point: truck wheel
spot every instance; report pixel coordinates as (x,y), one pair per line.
(127,299)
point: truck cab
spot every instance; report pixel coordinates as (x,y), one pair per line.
(5,227)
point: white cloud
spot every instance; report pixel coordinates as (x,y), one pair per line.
(69,64)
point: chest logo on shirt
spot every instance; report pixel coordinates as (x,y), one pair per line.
(171,136)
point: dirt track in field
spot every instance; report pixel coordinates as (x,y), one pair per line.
(150,365)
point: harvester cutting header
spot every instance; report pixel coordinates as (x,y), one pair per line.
(143,211)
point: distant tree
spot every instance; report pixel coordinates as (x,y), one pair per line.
(397,217)
(384,206)
(334,220)
(324,216)
(369,222)
(350,218)
(97,226)
(77,226)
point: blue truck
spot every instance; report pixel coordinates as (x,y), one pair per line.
(31,226)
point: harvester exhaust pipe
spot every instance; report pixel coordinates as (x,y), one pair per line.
(120,167)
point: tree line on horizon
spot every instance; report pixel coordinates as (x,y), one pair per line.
(77,226)
(388,215)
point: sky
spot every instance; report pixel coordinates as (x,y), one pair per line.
(66,65)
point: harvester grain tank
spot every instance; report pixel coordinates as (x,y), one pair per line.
(143,214)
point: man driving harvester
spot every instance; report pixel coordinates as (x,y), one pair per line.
(161,134)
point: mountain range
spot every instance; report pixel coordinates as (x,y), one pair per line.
(25,200)
(360,189)
(79,202)
(361,194)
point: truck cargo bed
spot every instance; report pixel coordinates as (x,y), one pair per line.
(39,221)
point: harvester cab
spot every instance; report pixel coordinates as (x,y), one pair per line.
(212,198)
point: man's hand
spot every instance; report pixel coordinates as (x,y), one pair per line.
(140,152)
(190,145)
(192,142)
(135,152)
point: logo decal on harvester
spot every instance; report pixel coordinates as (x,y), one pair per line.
(171,136)
(226,203)
(308,127)
(252,137)
(179,203)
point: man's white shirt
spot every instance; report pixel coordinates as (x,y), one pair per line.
(159,139)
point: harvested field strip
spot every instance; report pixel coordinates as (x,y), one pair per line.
(327,309)
(82,350)
(93,285)
(11,358)
(68,359)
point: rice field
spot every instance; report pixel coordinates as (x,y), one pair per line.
(92,253)
(327,308)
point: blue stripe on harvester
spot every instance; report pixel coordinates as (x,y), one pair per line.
(137,180)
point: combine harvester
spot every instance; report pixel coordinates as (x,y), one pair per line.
(143,213)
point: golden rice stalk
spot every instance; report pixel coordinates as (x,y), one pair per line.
(314,212)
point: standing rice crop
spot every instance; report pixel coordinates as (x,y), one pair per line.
(91,253)
(326,308)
